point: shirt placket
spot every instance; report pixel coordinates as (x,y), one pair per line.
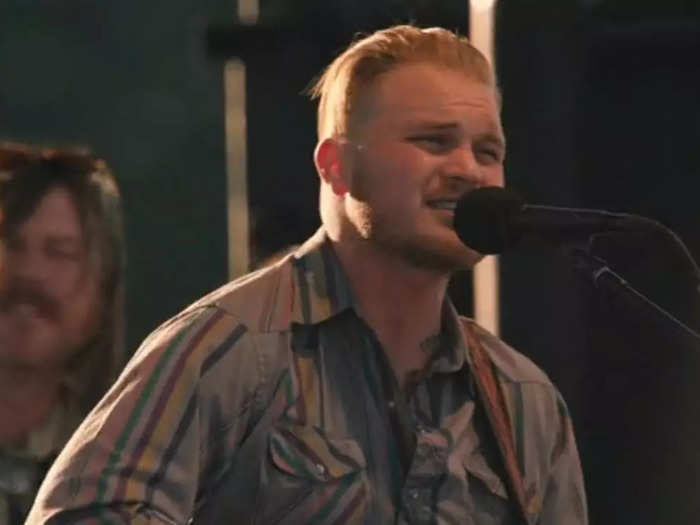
(423,448)
(427,470)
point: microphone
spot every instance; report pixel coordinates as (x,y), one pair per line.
(492,219)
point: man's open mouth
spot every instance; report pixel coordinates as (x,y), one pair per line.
(443,204)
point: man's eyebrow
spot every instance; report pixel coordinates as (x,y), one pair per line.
(437,125)
(494,138)
(433,125)
(63,239)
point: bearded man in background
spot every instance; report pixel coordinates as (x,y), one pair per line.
(61,302)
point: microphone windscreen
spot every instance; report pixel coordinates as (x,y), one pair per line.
(482,219)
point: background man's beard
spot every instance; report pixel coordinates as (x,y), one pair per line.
(25,292)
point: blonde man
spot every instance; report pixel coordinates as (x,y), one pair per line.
(339,385)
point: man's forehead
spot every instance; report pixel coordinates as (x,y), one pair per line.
(424,93)
(56,214)
(440,112)
(455,116)
(422,80)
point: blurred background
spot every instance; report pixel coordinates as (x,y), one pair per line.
(600,110)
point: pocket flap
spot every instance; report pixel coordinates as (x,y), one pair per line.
(306,452)
(476,465)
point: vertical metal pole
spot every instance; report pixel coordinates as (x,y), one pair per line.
(238,227)
(486,281)
(248,11)
(236,169)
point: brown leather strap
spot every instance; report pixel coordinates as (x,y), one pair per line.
(497,414)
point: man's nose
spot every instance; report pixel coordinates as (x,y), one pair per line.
(26,265)
(463,171)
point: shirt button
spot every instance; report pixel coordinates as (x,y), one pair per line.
(321,469)
(413,494)
(392,405)
(440,455)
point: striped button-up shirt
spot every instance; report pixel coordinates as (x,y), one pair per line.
(271,401)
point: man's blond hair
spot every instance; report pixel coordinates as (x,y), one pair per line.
(339,87)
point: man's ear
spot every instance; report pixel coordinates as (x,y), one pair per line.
(328,158)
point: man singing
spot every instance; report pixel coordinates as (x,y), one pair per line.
(339,385)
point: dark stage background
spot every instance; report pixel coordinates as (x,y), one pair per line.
(600,109)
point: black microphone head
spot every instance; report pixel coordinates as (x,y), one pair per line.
(482,219)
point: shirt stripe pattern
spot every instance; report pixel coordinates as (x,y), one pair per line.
(271,401)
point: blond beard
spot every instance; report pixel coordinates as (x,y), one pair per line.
(425,253)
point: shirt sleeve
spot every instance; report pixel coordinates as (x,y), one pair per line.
(139,456)
(564,501)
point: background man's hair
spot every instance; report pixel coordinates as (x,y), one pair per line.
(27,174)
(363,61)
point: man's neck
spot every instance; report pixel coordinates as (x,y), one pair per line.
(27,396)
(399,301)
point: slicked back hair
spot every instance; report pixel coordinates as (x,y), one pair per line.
(339,87)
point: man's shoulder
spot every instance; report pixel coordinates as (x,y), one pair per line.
(234,323)
(261,300)
(511,364)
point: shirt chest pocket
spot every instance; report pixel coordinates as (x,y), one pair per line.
(309,477)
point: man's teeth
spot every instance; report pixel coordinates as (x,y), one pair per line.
(444,205)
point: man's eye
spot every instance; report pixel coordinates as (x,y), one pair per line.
(59,252)
(488,156)
(13,244)
(432,142)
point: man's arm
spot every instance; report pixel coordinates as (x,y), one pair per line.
(140,454)
(564,500)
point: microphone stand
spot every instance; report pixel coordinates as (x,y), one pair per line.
(615,287)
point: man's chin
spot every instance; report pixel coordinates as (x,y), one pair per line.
(443,257)
(462,259)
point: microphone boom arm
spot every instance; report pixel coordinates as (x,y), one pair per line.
(611,283)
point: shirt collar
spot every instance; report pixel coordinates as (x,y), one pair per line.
(323,291)
(450,344)
(321,288)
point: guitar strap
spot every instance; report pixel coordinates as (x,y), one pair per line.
(499,420)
